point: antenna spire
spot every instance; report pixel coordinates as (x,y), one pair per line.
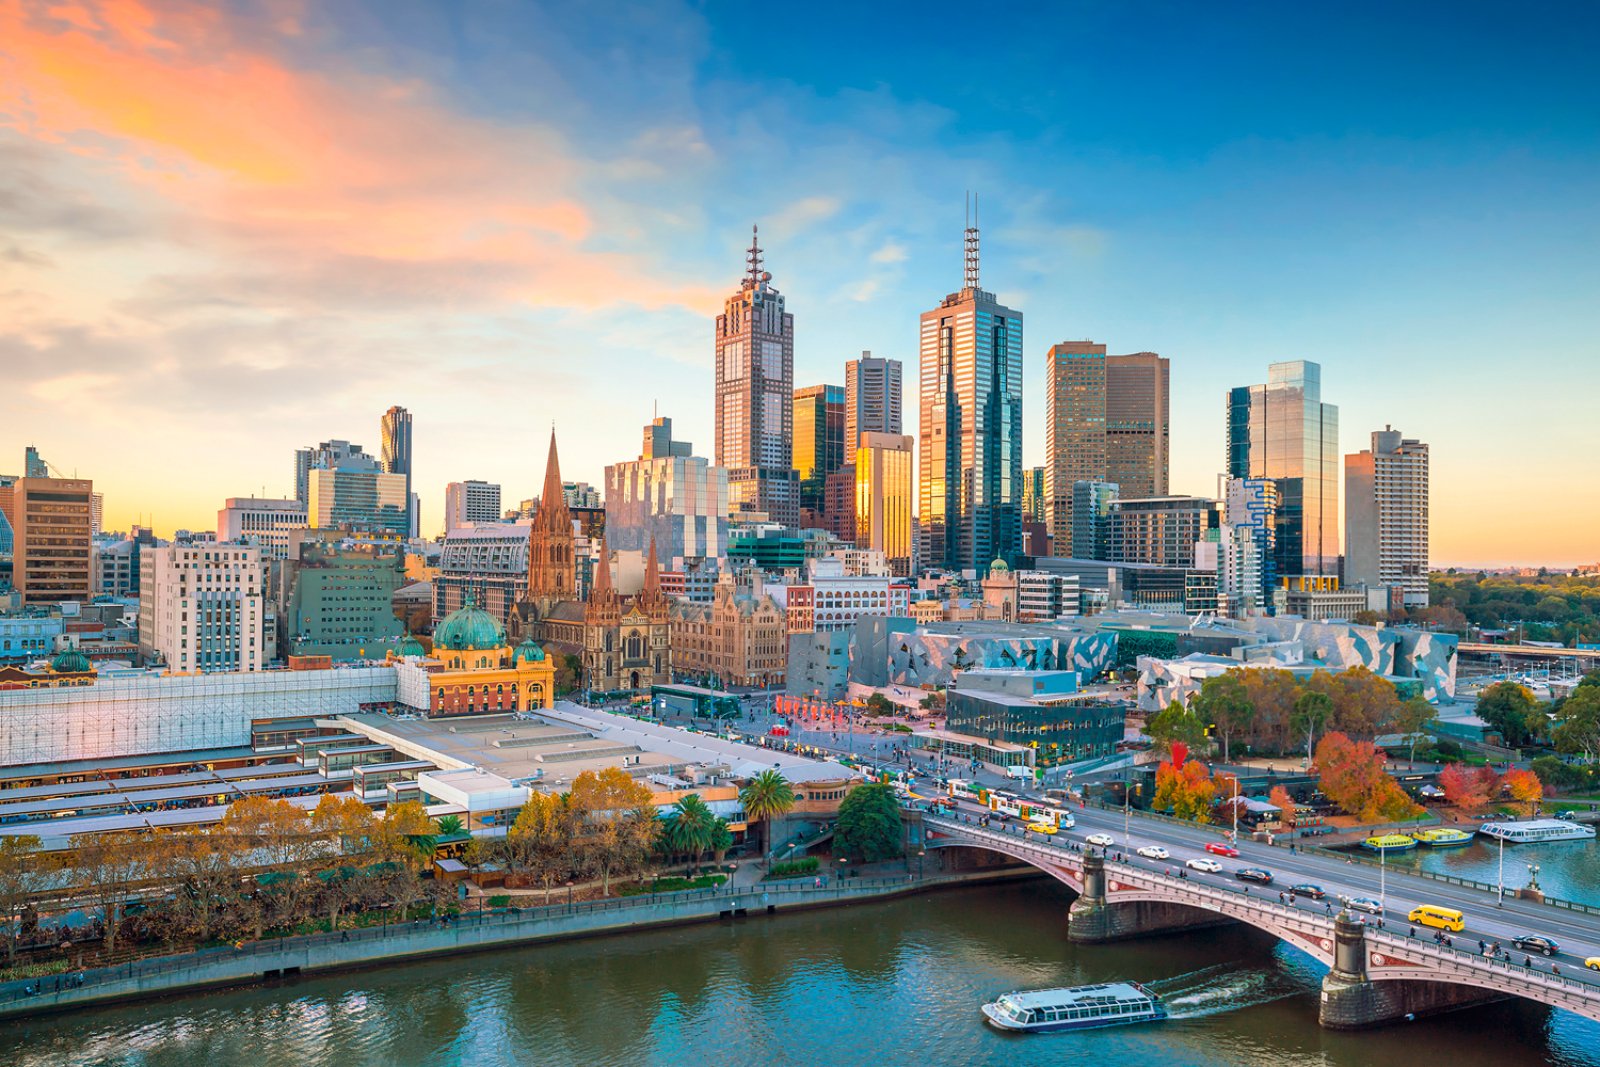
(972,241)
(752,259)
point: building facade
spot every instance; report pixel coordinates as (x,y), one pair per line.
(396,454)
(669,496)
(1386,516)
(755,397)
(489,562)
(1252,504)
(872,401)
(1035,502)
(1090,534)
(740,637)
(358,497)
(819,439)
(326,456)
(470,502)
(202,608)
(883,498)
(262,522)
(474,670)
(51,531)
(1040,709)
(339,597)
(1138,423)
(627,641)
(1160,530)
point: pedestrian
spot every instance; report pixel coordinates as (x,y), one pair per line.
(1555,968)
(1527,961)
(1411,932)
(1481,944)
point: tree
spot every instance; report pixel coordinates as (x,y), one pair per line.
(1523,786)
(1410,720)
(405,833)
(541,842)
(1578,720)
(603,805)
(1464,788)
(1176,725)
(345,821)
(107,866)
(1512,712)
(1224,703)
(204,866)
(691,827)
(878,704)
(24,872)
(450,825)
(1312,710)
(721,840)
(1272,693)
(1281,800)
(275,831)
(869,826)
(766,797)
(1350,773)
(1184,788)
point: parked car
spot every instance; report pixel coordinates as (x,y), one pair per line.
(1535,943)
(1307,889)
(1222,848)
(1259,875)
(1366,904)
(1204,866)
(1103,840)
(1155,852)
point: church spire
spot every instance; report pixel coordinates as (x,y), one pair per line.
(601,588)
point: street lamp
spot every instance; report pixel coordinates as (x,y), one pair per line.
(1533,877)
(569,895)
(1500,901)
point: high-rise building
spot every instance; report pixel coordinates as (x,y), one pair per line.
(358,496)
(669,496)
(338,596)
(970,463)
(883,498)
(262,522)
(51,521)
(1282,430)
(325,456)
(7,483)
(755,397)
(1107,420)
(469,502)
(839,502)
(1251,504)
(202,607)
(1386,516)
(1160,530)
(396,432)
(1090,536)
(1035,505)
(819,439)
(97,513)
(871,397)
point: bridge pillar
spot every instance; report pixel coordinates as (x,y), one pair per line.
(1091,919)
(1353,1001)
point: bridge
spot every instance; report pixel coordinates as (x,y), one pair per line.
(1377,974)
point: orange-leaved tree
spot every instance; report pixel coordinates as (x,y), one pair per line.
(1184,788)
(1281,800)
(1524,786)
(1467,788)
(1351,774)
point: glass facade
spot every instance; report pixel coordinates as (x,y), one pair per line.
(819,439)
(755,398)
(1058,729)
(883,498)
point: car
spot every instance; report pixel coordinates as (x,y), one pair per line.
(1306,889)
(1566,815)
(1204,866)
(1155,852)
(1048,828)
(1259,875)
(1535,943)
(1222,848)
(1103,840)
(1366,904)
(1593,963)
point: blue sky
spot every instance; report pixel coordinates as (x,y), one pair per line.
(501,215)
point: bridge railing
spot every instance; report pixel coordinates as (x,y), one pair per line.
(1465,961)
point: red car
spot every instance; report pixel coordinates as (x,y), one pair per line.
(1220,848)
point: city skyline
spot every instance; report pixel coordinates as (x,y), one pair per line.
(192,285)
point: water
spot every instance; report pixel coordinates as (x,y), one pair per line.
(897,981)
(1568,870)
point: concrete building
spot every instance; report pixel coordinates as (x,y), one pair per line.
(883,498)
(490,561)
(668,495)
(1386,516)
(1282,430)
(969,470)
(819,439)
(117,563)
(871,397)
(1043,710)
(51,526)
(1138,418)
(470,502)
(1252,504)
(326,456)
(262,522)
(755,397)
(1233,555)
(830,599)
(1319,598)
(338,598)
(1160,530)
(740,638)
(202,608)
(839,502)
(1045,596)
(395,430)
(1090,534)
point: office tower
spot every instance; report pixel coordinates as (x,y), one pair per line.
(581,496)
(819,439)
(883,498)
(839,502)
(97,513)
(325,456)
(1252,504)
(1034,501)
(871,397)
(50,521)
(1160,530)
(33,464)
(755,397)
(668,496)
(1106,420)
(970,464)
(261,522)
(202,607)
(7,483)
(1386,517)
(396,432)
(356,495)
(338,596)
(469,502)
(1090,536)
(1282,430)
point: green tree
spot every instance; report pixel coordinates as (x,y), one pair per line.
(869,826)
(450,825)
(766,797)
(690,828)
(1511,711)
(878,704)
(1176,725)
(1577,727)
(1312,710)
(1224,703)
(1410,720)
(721,840)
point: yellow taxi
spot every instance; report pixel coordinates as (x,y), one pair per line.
(1043,827)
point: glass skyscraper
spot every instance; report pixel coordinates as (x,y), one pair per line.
(1282,430)
(820,444)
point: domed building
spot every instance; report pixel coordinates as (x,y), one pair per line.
(474,670)
(1000,593)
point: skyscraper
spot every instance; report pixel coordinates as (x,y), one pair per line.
(755,397)
(469,502)
(1386,518)
(50,521)
(1090,536)
(326,456)
(1252,504)
(819,439)
(883,498)
(970,463)
(668,497)
(1107,420)
(1035,505)
(1282,430)
(396,431)
(871,398)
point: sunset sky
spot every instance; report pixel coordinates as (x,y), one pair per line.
(227,231)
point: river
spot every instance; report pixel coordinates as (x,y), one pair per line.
(890,982)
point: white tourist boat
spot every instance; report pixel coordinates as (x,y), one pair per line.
(1076,1007)
(1535,831)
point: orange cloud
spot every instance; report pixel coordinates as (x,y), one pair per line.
(293,170)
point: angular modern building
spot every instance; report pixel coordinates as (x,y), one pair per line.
(755,397)
(670,496)
(1386,516)
(396,433)
(1282,430)
(883,498)
(871,397)
(969,490)
(820,444)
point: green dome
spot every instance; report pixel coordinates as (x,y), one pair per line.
(410,646)
(999,566)
(70,661)
(469,629)
(528,651)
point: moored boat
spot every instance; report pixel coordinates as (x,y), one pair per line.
(1075,1007)
(1390,843)
(1535,831)
(1444,837)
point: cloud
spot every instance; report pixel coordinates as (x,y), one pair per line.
(24,257)
(891,251)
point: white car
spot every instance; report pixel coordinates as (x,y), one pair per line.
(1366,904)
(1155,852)
(1204,866)
(1103,840)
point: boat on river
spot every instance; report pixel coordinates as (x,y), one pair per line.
(1444,837)
(1390,843)
(1075,1008)
(1537,831)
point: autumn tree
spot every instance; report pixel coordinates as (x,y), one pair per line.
(345,821)
(1523,786)
(1281,800)
(107,867)
(25,871)
(605,807)
(1466,788)
(405,833)
(1272,693)
(542,839)
(204,868)
(1185,789)
(1223,703)
(1350,773)
(275,832)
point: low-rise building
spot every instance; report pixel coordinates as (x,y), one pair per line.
(1042,710)
(740,638)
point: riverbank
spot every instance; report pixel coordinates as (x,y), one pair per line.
(253,962)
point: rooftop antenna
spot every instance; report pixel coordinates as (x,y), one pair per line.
(972,241)
(752,258)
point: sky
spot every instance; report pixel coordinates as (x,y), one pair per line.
(227,231)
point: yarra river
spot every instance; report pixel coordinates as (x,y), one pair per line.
(897,981)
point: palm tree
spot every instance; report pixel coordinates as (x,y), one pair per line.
(450,824)
(691,827)
(721,840)
(765,797)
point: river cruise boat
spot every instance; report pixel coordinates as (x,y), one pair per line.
(1536,831)
(1390,843)
(1444,837)
(1076,1008)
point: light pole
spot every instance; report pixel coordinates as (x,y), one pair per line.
(1383,884)
(1235,806)
(1500,900)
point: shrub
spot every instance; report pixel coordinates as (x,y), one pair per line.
(500,901)
(794,868)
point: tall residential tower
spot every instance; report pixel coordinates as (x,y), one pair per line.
(871,398)
(1386,516)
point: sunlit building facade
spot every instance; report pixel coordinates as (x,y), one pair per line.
(1386,525)
(819,439)
(883,498)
